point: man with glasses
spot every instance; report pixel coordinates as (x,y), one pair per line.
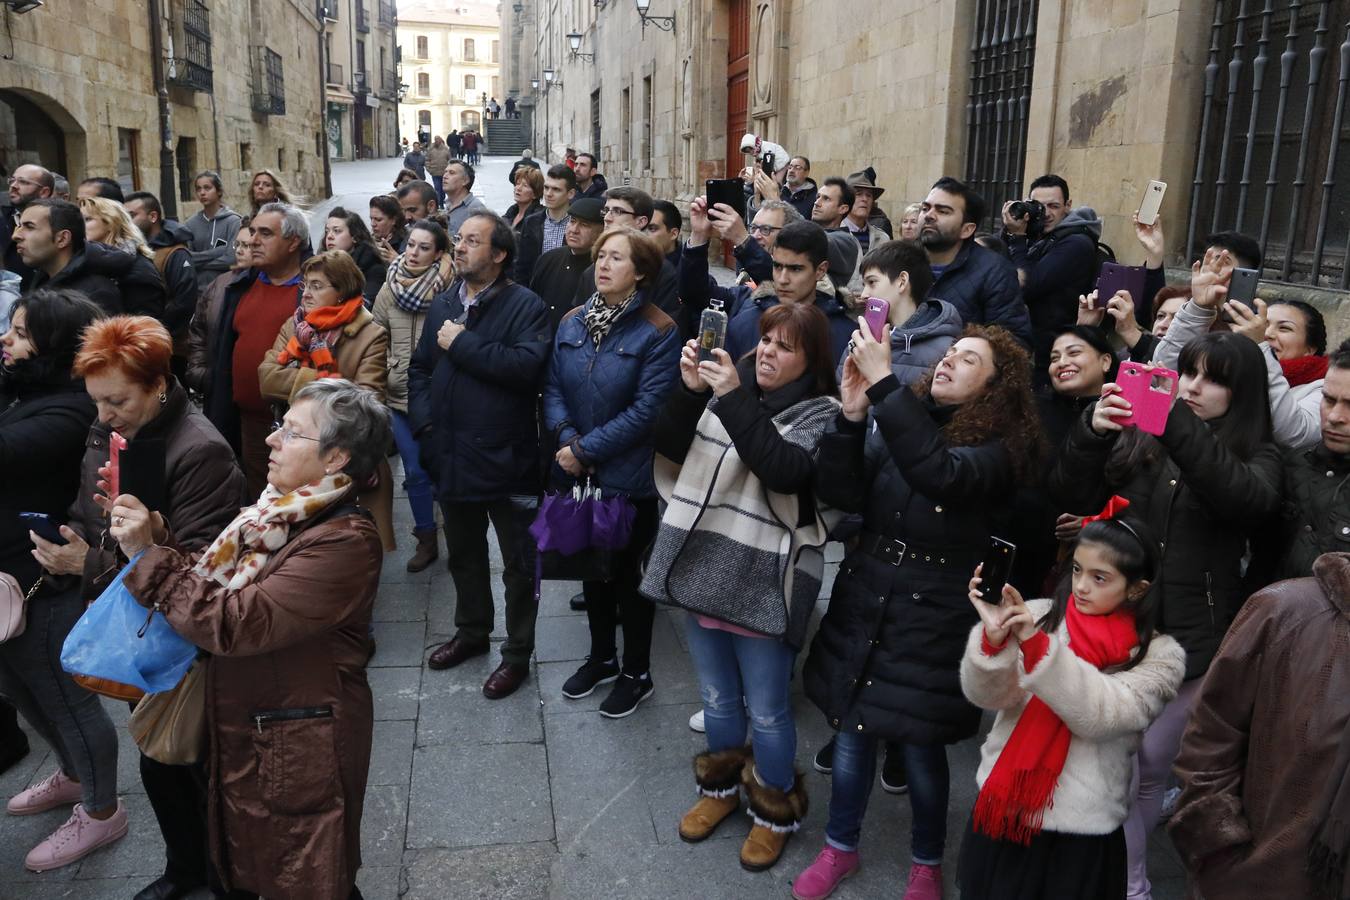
(798,188)
(473,388)
(28,183)
(753,247)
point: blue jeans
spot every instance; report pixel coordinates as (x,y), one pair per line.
(436,182)
(733,671)
(415,481)
(855,766)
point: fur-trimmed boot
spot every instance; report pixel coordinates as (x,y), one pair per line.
(777,814)
(718,777)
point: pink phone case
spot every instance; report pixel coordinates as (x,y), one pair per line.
(875,314)
(116,444)
(1150,390)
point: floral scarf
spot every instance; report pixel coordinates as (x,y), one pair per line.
(241,551)
(414,288)
(600,316)
(316,333)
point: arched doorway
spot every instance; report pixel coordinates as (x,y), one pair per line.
(36,129)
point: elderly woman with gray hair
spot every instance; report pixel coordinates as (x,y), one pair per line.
(282,601)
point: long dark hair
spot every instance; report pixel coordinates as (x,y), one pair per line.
(356,227)
(1095,338)
(55,320)
(1226,359)
(1135,553)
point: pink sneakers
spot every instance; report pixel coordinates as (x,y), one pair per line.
(820,878)
(925,883)
(53,791)
(81,835)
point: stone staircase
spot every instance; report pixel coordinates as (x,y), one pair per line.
(505,137)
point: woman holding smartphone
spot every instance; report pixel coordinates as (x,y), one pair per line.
(735,462)
(615,359)
(1205,485)
(930,480)
(124,362)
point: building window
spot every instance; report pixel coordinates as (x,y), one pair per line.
(496,86)
(269,86)
(469,119)
(185,156)
(647,114)
(1274,161)
(361,64)
(281,159)
(1000,93)
(422,47)
(626,125)
(246,157)
(128,162)
(470,54)
(423,84)
(595,121)
(423,119)
(470,83)
(496,51)
(190,65)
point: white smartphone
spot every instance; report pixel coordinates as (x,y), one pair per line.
(1152,202)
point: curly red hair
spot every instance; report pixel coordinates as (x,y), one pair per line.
(1007,411)
(137,346)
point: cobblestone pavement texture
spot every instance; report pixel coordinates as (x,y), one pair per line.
(530,797)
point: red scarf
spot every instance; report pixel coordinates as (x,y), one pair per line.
(316,333)
(1304,369)
(1021,787)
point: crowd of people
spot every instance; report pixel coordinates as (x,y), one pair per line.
(1169,640)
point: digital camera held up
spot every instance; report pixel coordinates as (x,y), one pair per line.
(1034,212)
(771,157)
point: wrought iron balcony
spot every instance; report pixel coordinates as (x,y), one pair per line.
(190,62)
(388,13)
(269,87)
(362,17)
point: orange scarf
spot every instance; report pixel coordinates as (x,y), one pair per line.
(1011,806)
(316,333)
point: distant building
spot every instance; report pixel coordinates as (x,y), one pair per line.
(361,72)
(79,94)
(451,56)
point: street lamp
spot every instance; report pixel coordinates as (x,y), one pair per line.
(534,84)
(574,42)
(548,75)
(665,23)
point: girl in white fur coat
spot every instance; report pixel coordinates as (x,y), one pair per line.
(1075,681)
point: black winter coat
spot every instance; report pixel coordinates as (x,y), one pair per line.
(529,244)
(373,267)
(474,406)
(180,279)
(43,423)
(556,277)
(1200,500)
(1316,513)
(983,287)
(886,660)
(119,283)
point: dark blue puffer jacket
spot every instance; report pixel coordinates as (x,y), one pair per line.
(608,399)
(983,287)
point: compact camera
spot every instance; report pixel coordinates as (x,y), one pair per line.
(1031,210)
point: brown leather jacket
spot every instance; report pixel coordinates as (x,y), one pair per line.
(1263,738)
(204,321)
(204,487)
(288,705)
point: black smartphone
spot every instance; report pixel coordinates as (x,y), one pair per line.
(141,465)
(997,569)
(730,191)
(1242,287)
(42,525)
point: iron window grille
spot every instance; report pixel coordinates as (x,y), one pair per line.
(362,17)
(1273,159)
(190,63)
(1002,48)
(388,15)
(269,88)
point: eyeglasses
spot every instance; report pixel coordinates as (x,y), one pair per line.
(765,230)
(615,211)
(15,179)
(470,242)
(290,434)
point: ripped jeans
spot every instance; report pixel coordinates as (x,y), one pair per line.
(734,672)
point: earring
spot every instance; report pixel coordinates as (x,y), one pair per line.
(163,398)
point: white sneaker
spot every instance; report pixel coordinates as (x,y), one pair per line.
(696,722)
(1169,804)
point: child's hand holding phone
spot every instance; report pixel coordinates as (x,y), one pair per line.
(871,356)
(1009,616)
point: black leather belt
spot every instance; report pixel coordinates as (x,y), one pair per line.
(894,552)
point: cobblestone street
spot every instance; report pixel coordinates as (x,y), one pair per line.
(533,796)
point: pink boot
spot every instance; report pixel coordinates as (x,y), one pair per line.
(81,835)
(53,791)
(820,878)
(925,882)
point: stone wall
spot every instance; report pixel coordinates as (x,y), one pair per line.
(86,64)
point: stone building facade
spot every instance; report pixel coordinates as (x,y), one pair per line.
(243,86)
(451,55)
(361,78)
(1109,95)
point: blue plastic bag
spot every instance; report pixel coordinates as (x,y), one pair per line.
(122,641)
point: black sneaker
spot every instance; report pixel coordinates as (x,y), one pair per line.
(578,602)
(627,693)
(591,675)
(893,779)
(824,759)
